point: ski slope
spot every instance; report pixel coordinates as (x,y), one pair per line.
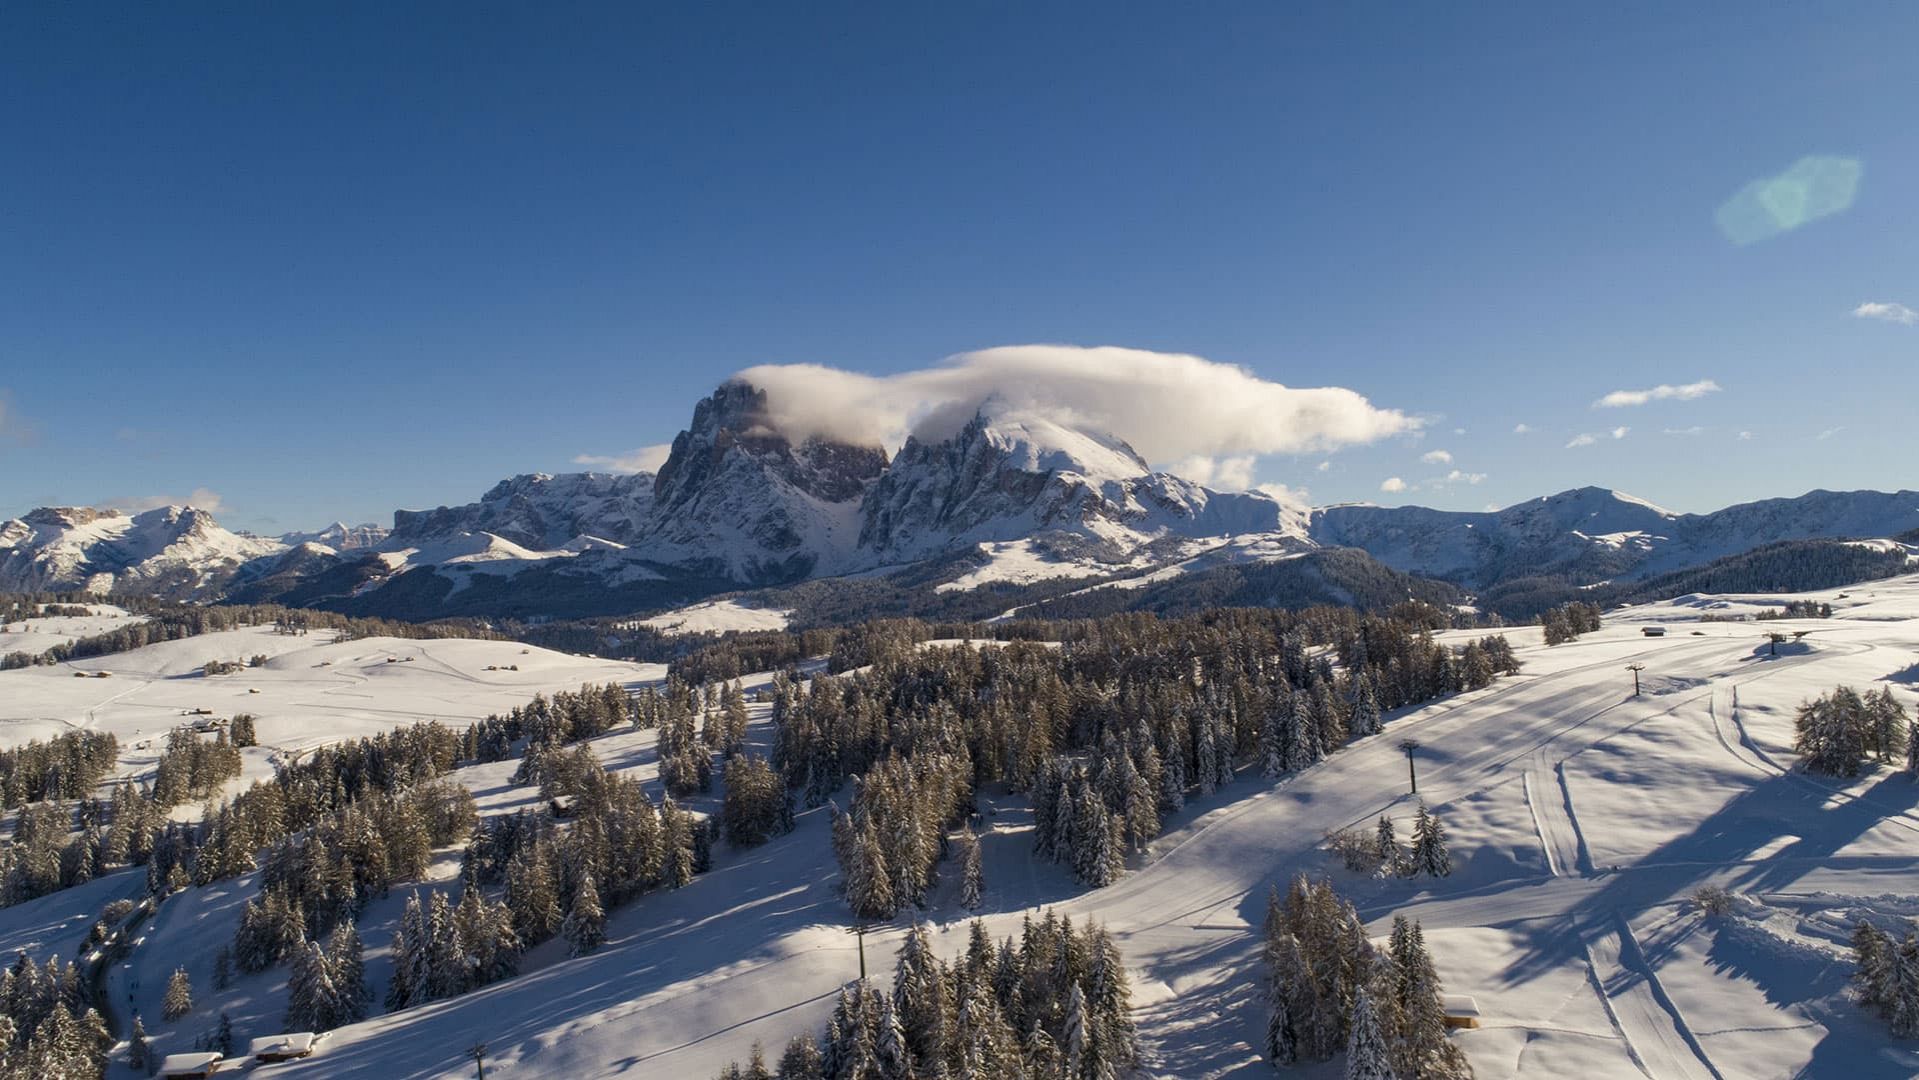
(1580,819)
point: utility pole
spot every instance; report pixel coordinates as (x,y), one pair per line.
(478,1053)
(1635,668)
(859,931)
(1410,745)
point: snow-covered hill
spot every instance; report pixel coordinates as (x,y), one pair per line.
(1581,821)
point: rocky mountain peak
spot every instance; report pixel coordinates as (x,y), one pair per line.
(733,424)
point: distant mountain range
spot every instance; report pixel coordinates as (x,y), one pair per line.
(1012,501)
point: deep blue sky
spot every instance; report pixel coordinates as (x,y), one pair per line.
(326,260)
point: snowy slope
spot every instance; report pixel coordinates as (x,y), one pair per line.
(36,635)
(1581,818)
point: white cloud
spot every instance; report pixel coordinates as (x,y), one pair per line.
(1688,431)
(1457,477)
(1436,457)
(1323,466)
(1886,312)
(1522,429)
(1745,436)
(1662,392)
(1286,494)
(645,459)
(1169,406)
(199,499)
(1587,438)
(1829,433)
(1223,474)
(1392,484)
(1459,431)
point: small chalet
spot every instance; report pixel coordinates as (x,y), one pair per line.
(1461,1010)
(1653,631)
(189,1066)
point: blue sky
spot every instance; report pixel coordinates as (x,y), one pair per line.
(322,261)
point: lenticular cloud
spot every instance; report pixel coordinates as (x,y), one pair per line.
(1169,406)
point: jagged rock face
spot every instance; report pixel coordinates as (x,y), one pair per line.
(177,552)
(1008,476)
(737,498)
(540,512)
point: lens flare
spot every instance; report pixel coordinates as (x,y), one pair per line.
(1815,187)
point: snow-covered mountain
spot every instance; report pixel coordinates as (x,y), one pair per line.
(736,499)
(1593,534)
(1011,497)
(172,551)
(539,512)
(1009,476)
(340,536)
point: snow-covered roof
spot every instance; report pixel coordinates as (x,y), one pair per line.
(187,1063)
(1458,1005)
(295,1042)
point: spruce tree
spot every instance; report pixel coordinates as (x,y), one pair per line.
(139,1053)
(1429,844)
(1386,846)
(1366,1053)
(179,997)
(585,926)
(972,883)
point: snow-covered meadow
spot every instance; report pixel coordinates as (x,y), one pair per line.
(1581,820)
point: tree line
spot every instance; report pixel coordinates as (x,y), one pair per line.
(1052,1004)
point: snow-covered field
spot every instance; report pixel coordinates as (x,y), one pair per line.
(719,617)
(1581,819)
(310,690)
(37,635)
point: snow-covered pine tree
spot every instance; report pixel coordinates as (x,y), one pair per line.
(179,997)
(1902,1010)
(1386,846)
(346,959)
(409,952)
(1429,844)
(889,1044)
(1365,719)
(1077,1036)
(1874,958)
(1422,1046)
(585,925)
(922,999)
(1206,757)
(972,881)
(1273,743)
(139,1053)
(801,1059)
(1366,1053)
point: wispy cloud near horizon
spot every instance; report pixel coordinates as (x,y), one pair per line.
(1620,399)
(645,459)
(1886,311)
